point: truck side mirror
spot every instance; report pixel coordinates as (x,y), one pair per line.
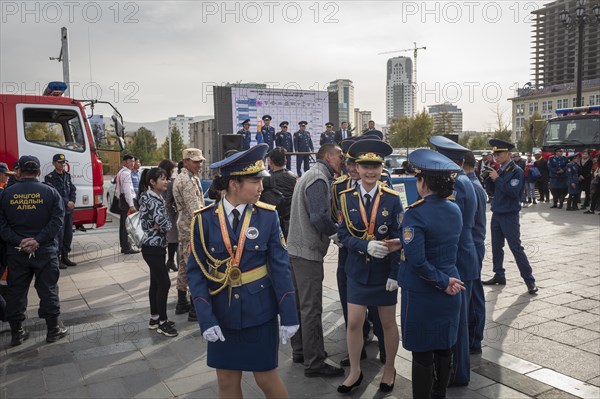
(118,126)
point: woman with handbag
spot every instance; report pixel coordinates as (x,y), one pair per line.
(155,224)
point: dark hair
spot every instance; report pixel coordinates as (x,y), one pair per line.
(147,175)
(179,166)
(222,182)
(326,149)
(443,186)
(469,159)
(168,166)
(277,156)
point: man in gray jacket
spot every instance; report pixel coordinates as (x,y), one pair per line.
(311,229)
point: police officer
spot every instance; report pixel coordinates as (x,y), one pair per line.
(430,308)
(237,299)
(558,178)
(371,214)
(31,216)
(302,143)
(267,132)
(508,185)
(60,179)
(284,139)
(572,172)
(328,136)
(467,261)
(246,135)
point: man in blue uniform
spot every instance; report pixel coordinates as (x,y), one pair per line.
(477,305)
(558,178)
(302,143)
(467,262)
(267,132)
(328,136)
(31,216)
(508,185)
(60,179)
(284,139)
(246,135)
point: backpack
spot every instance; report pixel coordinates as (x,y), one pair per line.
(533,174)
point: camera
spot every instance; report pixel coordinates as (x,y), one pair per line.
(485,173)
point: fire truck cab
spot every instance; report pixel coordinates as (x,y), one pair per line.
(49,124)
(573,129)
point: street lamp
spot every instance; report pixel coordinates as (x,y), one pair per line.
(580,18)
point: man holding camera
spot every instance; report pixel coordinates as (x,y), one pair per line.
(507,184)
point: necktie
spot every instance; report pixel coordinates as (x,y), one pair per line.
(367,201)
(236,219)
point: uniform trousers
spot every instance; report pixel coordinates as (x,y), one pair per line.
(460,351)
(288,164)
(299,160)
(22,268)
(182,254)
(477,305)
(506,226)
(65,236)
(308,276)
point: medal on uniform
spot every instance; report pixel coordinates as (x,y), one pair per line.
(385,212)
(382,229)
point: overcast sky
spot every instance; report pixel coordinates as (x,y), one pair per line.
(155,59)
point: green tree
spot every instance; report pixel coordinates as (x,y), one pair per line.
(464,139)
(443,124)
(479,142)
(144,146)
(411,132)
(177,147)
(44,131)
(533,134)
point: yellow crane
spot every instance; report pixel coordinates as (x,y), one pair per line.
(415,50)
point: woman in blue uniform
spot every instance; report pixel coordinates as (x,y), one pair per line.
(240,279)
(428,275)
(371,213)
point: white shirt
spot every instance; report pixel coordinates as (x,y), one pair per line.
(126,185)
(229,210)
(371,193)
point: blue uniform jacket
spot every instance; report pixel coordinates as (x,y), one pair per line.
(29,208)
(572,172)
(556,168)
(464,195)
(303,142)
(266,135)
(479,226)
(430,234)
(508,189)
(251,304)
(360,266)
(64,185)
(327,138)
(246,138)
(284,140)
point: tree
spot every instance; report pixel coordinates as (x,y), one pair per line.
(502,131)
(144,147)
(44,131)
(177,147)
(411,132)
(479,142)
(443,124)
(533,135)
(464,139)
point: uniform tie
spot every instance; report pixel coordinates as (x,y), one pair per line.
(236,219)
(367,201)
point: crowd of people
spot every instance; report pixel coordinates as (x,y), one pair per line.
(250,266)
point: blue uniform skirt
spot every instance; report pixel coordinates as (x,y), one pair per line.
(429,320)
(249,349)
(370,294)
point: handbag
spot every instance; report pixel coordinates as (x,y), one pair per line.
(114,205)
(135,233)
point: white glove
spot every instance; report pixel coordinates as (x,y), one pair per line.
(377,249)
(336,240)
(287,332)
(213,334)
(391,285)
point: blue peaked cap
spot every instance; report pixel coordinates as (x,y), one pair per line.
(244,163)
(429,162)
(449,148)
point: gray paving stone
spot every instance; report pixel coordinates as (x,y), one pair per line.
(512,379)
(78,392)
(101,351)
(557,394)
(192,383)
(146,385)
(61,377)
(200,394)
(566,383)
(112,372)
(549,328)
(575,337)
(109,389)
(592,346)
(500,391)
(580,319)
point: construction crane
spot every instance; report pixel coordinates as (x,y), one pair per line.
(415,52)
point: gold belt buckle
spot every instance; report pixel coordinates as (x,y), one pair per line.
(235,277)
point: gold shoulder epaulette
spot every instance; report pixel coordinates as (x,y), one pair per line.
(451,197)
(348,190)
(204,208)
(385,173)
(416,203)
(341,179)
(389,190)
(266,206)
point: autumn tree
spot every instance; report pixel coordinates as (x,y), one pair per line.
(533,134)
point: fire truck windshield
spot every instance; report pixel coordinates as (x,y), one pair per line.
(573,131)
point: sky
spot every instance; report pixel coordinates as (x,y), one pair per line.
(156,59)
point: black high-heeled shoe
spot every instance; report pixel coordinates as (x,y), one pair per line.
(347,389)
(383,387)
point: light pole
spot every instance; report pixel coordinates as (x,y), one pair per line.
(580,18)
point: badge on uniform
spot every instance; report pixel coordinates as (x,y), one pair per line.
(282,238)
(400,218)
(514,182)
(252,233)
(385,212)
(382,229)
(408,233)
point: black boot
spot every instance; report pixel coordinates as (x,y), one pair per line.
(183,306)
(192,311)
(66,261)
(442,366)
(422,380)
(56,330)
(18,333)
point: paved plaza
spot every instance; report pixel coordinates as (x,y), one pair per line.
(544,346)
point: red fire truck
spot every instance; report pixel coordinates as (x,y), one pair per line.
(49,124)
(573,129)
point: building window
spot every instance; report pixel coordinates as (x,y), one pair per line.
(533,108)
(595,99)
(562,103)
(520,109)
